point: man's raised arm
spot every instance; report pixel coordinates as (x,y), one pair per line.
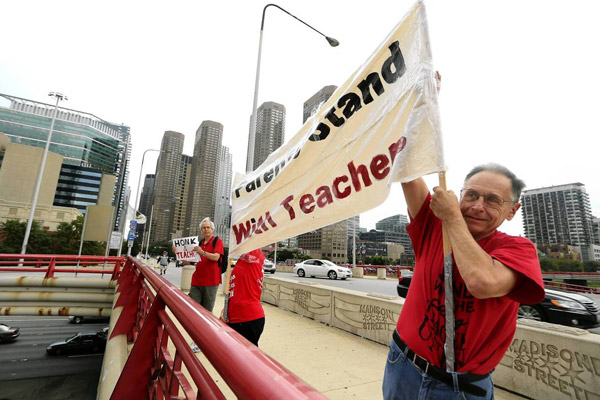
(415,193)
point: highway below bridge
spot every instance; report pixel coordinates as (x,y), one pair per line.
(28,372)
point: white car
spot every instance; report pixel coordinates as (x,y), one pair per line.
(324,268)
(268,266)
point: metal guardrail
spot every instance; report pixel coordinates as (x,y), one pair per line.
(571,287)
(154,316)
(61,263)
(153,310)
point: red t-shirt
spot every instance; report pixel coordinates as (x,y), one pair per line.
(245,288)
(484,328)
(208,272)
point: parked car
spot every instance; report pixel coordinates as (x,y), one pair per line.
(80,343)
(404,282)
(7,333)
(564,308)
(321,268)
(78,319)
(268,266)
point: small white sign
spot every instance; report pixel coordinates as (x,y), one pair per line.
(115,240)
(184,248)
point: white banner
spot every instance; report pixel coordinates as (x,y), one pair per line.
(184,248)
(380,126)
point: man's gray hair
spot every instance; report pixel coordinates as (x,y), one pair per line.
(517,184)
(207,219)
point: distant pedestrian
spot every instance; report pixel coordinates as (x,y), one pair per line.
(245,313)
(163,262)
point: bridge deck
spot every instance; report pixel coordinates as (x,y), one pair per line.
(338,364)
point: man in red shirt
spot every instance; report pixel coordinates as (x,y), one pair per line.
(245,313)
(207,277)
(492,273)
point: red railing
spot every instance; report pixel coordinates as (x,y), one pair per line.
(572,288)
(154,370)
(51,264)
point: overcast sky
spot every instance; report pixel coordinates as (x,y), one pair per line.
(520,78)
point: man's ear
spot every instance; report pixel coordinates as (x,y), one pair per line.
(513,211)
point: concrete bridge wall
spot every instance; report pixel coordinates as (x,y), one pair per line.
(544,361)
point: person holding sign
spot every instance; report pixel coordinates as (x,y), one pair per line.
(245,313)
(207,277)
(492,273)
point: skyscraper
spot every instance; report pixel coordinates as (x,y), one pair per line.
(270,131)
(181,197)
(316,100)
(89,145)
(330,241)
(222,202)
(165,186)
(397,223)
(145,207)
(559,215)
(147,195)
(202,192)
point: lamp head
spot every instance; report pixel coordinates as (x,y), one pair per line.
(332,42)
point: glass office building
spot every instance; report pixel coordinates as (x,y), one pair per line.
(89,145)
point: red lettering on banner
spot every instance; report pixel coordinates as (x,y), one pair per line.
(261,226)
(336,187)
(323,196)
(379,166)
(354,172)
(286,204)
(397,147)
(306,203)
(270,219)
(358,176)
(241,231)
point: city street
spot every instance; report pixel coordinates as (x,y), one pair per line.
(25,368)
(372,285)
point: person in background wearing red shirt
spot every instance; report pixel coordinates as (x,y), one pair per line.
(207,277)
(245,313)
(492,273)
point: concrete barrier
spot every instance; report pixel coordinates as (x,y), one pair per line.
(547,361)
(381,273)
(544,361)
(372,316)
(186,277)
(358,272)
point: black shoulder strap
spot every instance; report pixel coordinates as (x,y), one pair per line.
(215,241)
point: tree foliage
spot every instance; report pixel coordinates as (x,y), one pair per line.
(379,260)
(65,240)
(591,266)
(561,265)
(13,232)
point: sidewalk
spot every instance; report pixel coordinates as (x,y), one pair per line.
(338,364)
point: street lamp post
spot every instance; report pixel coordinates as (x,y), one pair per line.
(332,42)
(36,191)
(149,230)
(137,192)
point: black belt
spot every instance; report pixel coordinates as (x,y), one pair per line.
(464,380)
